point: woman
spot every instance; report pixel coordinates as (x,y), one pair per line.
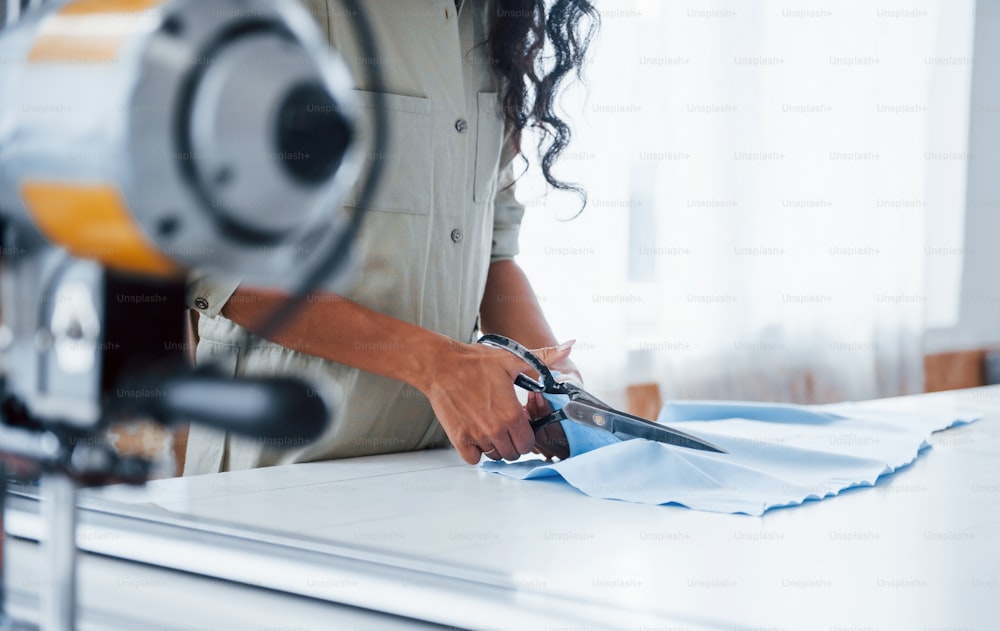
(436,254)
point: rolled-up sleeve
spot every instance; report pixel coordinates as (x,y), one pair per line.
(208,293)
(507,214)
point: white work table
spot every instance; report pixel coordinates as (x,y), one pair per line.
(920,550)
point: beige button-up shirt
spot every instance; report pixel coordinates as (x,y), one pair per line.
(442,214)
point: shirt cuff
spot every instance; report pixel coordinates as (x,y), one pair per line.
(507,216)
(505,245)
(209,294)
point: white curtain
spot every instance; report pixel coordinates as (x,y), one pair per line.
(761,176)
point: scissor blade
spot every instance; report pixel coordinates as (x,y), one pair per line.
(641,428)
(626,425)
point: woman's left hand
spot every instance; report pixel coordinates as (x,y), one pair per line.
(550,441)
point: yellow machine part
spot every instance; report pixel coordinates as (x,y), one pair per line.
(93,222)
(87,31)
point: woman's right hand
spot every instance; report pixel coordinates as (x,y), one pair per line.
(472,393)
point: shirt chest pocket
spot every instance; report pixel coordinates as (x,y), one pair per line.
(489,134)
(408,165)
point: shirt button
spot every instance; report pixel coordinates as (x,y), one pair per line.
(456,235)
(201,303)
(461,125)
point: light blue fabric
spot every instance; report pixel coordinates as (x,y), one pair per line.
(779,455)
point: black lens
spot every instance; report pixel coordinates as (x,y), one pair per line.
(312,135)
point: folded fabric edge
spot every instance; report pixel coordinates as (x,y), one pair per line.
(540,469)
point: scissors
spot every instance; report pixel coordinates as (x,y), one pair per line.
(585,408)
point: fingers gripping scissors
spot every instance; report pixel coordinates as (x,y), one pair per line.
(585,408)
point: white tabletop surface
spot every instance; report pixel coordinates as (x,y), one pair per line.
(920,550)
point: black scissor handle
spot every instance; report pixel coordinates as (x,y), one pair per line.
(548,383)
(526,382)
(548,419)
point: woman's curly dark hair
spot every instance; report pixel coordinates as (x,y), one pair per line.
(534,45)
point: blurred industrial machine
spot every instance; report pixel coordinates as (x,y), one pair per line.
(141,140)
